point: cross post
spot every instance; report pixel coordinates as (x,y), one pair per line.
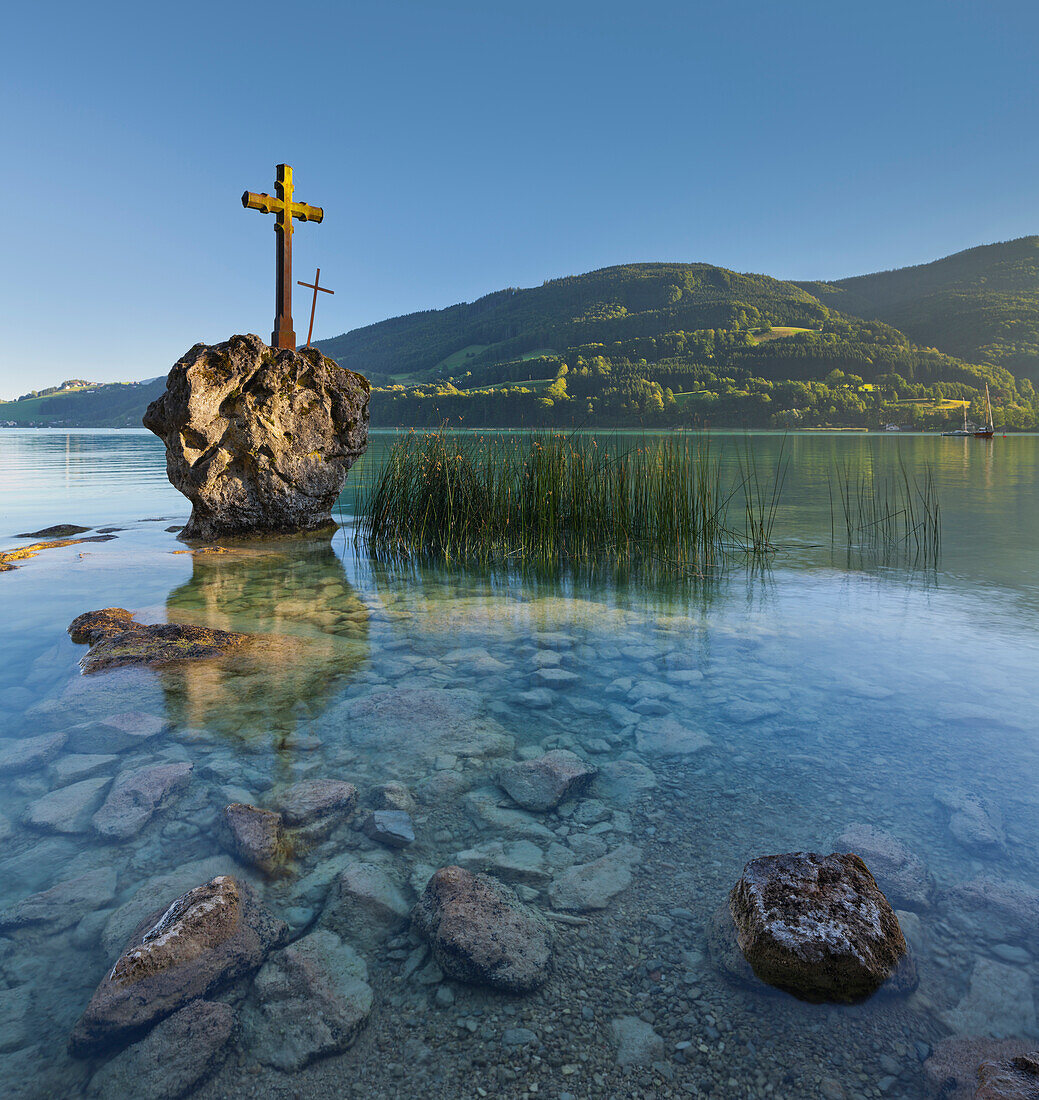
(284,210)
(315,286)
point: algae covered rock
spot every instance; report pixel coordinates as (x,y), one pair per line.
(481,932)
(818,927)
(259,439)
(117,641)
(206,939)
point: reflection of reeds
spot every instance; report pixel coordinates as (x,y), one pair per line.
(887,513)
(549,499)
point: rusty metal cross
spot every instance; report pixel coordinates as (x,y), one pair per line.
(315,287)
(285,210)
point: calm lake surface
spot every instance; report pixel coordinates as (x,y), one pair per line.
(767,713)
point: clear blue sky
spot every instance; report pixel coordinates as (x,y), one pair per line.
(459,147)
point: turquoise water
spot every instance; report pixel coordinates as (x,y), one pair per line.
(829,690)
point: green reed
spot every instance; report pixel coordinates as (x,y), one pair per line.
(887,512)
(549,499)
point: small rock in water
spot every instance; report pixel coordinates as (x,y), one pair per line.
(998,1003)
(58,531)
(480,931)
(115,733)
(256,836)
(542,784)
(819,927)
(309,1000)
(393,796)
(177,1056)
(390,827)
(202,942)
(637,1043)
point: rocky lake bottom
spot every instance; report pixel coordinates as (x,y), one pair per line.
(807,709)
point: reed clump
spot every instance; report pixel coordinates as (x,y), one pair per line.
(886,512)
(550,499)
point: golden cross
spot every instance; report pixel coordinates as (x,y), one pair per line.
(315,287)
(283,335)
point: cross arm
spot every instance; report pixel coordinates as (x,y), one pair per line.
(267,203)
(305,213)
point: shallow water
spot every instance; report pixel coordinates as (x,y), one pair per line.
(831,689)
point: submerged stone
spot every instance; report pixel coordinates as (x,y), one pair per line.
(898,872)
(365,904)
(28,753)
(951,1070)
(206,939)
(592,885)
(480,932)
(1014,1079)
(68,809)
(542,784)
(818,927)
(137,796)
(306,802)
(309,1001)
(259,439)
(390,827)
(62,905)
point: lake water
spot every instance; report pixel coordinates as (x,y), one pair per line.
(765,714)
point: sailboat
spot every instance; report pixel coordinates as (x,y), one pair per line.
(969,429)
(988,430)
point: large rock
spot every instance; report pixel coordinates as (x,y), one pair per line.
(118,642)
(205,940)
(310,1000)
(174,1059)
(259,439)
(543,783)
(480,932)
(951,1071)
(899,873)
(818,927)
(1014,1079)
(993,910)
(137,796)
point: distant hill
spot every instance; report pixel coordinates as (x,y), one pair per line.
(687,345)
(84,405)
(981,305)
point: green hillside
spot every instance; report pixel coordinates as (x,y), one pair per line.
(90,405)
(981,305)
(684,345)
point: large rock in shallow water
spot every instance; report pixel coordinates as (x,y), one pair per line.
(259,439)
(818,927)
(481,932)
(206,939)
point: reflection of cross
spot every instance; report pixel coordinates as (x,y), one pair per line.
(315,287)
(285,209)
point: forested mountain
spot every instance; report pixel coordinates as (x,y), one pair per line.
(687,345)
(981,305)
(691,344)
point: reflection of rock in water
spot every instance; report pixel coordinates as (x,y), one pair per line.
(316,632)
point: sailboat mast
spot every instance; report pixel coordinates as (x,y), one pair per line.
(988,406)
